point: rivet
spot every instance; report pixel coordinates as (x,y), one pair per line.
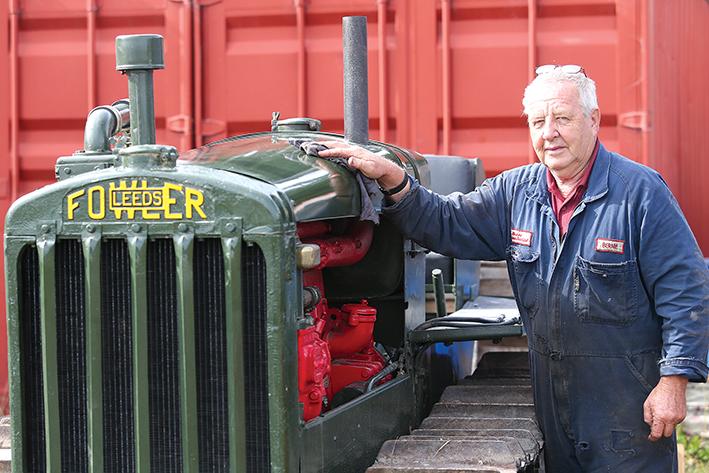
(45,228)
(135,227)
(182,227)
(90,228)
(67,171)
(230,227)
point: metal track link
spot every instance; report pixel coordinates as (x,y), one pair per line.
(485,424)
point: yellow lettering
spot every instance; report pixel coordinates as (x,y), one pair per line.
(71,203)
(193,201)
(93,212)
(149,214)
(157,198)
(168,201)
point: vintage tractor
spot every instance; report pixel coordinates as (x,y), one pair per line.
(233,309)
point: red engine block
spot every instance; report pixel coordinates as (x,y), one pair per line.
(351,341)
(338,349)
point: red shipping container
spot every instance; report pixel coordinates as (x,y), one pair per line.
(445,76)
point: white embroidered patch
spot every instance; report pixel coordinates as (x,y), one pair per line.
(521,237)
(610,246)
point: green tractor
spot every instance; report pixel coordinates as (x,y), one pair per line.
(237,309)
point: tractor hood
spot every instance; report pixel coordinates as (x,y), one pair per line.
(317,188)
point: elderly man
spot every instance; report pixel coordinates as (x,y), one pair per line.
(612,287)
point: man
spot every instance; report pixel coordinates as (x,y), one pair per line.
(611,285)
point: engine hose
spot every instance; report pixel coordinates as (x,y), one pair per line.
(381,375)
(458,322)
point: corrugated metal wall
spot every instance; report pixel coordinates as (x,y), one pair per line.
(446,76)
(452,73)
(678,104)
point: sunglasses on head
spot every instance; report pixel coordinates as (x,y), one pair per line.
(567,68)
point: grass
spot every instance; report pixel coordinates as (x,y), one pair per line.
(696,452)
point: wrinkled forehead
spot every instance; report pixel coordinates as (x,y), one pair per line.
(553,96)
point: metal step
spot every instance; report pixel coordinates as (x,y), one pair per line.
(451,456)
(476,425)
(485,424)
(488,394)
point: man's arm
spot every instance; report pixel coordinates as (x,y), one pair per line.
(676,278)
(469,226)
(385,172)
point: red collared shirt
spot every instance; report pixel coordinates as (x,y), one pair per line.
(564,207)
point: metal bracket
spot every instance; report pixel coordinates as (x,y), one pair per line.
(634,120)
(212,126)
(179,123)
(199,3)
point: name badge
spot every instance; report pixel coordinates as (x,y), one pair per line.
(521,237)
(610,246)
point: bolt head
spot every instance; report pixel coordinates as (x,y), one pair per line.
(90,228)
(45,228)
(136,227)
(230,227)
(182,227)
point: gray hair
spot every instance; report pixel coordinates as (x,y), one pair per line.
(585,86)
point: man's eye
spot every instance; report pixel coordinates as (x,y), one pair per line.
(563,119)
(537,123)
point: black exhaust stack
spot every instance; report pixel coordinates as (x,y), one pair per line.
(138,56)
(354,44)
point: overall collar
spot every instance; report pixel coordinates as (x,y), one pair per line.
(597,182)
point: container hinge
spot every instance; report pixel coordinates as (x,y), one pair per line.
(200,3)
(634,120)
(212,126)
(179,123)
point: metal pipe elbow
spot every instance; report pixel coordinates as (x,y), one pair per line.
(102,123)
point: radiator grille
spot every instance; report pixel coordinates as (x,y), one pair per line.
(117,297)
(210,345)
(255,358)
(165,451)
(117,358)
(31,361)
(71,355)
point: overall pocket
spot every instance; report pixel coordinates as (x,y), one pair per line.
(529,284)
(605,293)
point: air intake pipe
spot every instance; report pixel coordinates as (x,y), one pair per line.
(354,44)
(137,56)
(102,123)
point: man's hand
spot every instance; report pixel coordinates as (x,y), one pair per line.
(666,406)
(387,173)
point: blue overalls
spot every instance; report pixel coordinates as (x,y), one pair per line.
(622,300)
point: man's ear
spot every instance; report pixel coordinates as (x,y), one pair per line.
(596,119)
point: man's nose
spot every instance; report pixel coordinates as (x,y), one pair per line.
(549,131)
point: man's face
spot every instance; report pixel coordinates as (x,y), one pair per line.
(562,135)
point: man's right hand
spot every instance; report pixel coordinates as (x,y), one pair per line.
(386,172)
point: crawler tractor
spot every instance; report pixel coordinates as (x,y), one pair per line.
(232,309)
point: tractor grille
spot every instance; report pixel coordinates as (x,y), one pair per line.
(184,399)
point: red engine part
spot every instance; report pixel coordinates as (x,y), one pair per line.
(360,367)
(338,349)
(313,371)
(352,329)
(341,250)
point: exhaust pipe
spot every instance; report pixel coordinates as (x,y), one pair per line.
(137,56)
(354,44)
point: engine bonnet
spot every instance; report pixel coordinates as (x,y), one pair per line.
(317,188)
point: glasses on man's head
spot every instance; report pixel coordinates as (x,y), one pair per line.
(567,68)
